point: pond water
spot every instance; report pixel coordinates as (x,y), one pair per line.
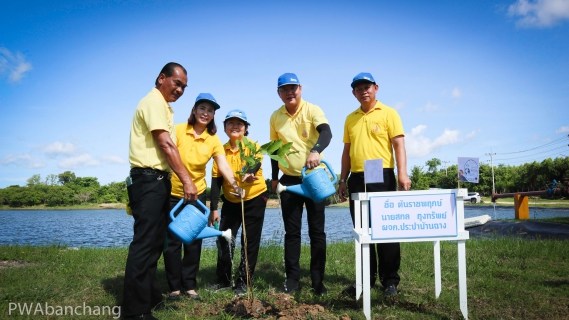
(113,228)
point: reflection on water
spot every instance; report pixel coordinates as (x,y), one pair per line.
(113,228)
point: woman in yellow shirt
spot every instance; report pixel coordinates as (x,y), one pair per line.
(255,202)
(197,143)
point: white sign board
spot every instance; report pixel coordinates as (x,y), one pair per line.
(373,171)
(468,169)
(413,216)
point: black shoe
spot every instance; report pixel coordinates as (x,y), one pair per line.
(241,290)
(218,286)
(320,290)
(146,316)
(390,291)
(173,296)
(290,286)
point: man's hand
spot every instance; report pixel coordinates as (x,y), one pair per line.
(404,181)
(190,191)
(213,217)
(313,160)
(274,184)
(342,191)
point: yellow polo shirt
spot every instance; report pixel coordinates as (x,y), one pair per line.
(195,154)
(252,189)
(152,113)
(370,135)
(300,129)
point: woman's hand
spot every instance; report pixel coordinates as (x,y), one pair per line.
(249,177)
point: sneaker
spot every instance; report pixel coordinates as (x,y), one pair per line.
(390,291)
(320,290)
(218,286)
(290,287)
(241,290)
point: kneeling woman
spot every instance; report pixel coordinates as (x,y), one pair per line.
(197,143)
(255,202)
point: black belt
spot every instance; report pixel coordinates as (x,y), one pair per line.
(149,171)
(361,174)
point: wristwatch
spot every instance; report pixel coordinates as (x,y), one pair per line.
(341,180)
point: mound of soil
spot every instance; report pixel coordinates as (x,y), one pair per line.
(281,306)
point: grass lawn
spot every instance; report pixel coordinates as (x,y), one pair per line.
(507,279)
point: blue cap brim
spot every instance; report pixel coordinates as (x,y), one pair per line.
(355,83)
(215,105)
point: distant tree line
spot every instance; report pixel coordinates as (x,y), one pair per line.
(67,189)
(63,189)
(532,176)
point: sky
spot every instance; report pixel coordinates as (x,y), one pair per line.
(468,78)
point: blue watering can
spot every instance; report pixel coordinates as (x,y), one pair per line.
(191,224)
(316,185)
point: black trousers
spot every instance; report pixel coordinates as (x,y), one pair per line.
(182,272)
(231,218)
(148,195)
(292,204)
(386,255)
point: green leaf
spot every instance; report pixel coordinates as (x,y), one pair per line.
(281,160)
(284,149)
(274,146)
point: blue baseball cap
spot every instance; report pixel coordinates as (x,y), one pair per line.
(362,77)
(288,78)
(239,114)
(207,97)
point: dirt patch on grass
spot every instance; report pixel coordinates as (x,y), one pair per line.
(279,306)
(6,264)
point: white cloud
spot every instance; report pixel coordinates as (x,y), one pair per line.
(399,105)
(562,129)
(15,65)
(456,93)
(472,134)
(429,107)
(22,160)
(59,148)
(540,13)
(418,145)
(78,161)
(113,159)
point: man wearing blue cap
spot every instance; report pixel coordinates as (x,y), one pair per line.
(305,125)
(374,131)
(153,155)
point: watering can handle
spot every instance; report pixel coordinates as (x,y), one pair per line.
(182,202)
(335,178)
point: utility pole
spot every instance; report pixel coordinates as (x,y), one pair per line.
(492,165)
(446,171)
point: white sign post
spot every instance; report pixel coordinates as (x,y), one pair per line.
(409,216)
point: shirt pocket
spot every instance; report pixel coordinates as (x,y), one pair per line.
(378,129)
(303,131)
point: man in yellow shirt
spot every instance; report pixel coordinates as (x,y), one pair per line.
(305,125)
(374,131)
(153,155)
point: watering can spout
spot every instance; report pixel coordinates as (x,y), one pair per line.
(297,189)
(209,232)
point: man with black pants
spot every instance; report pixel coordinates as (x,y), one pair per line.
(153,155)
(374,131)
(305,125)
